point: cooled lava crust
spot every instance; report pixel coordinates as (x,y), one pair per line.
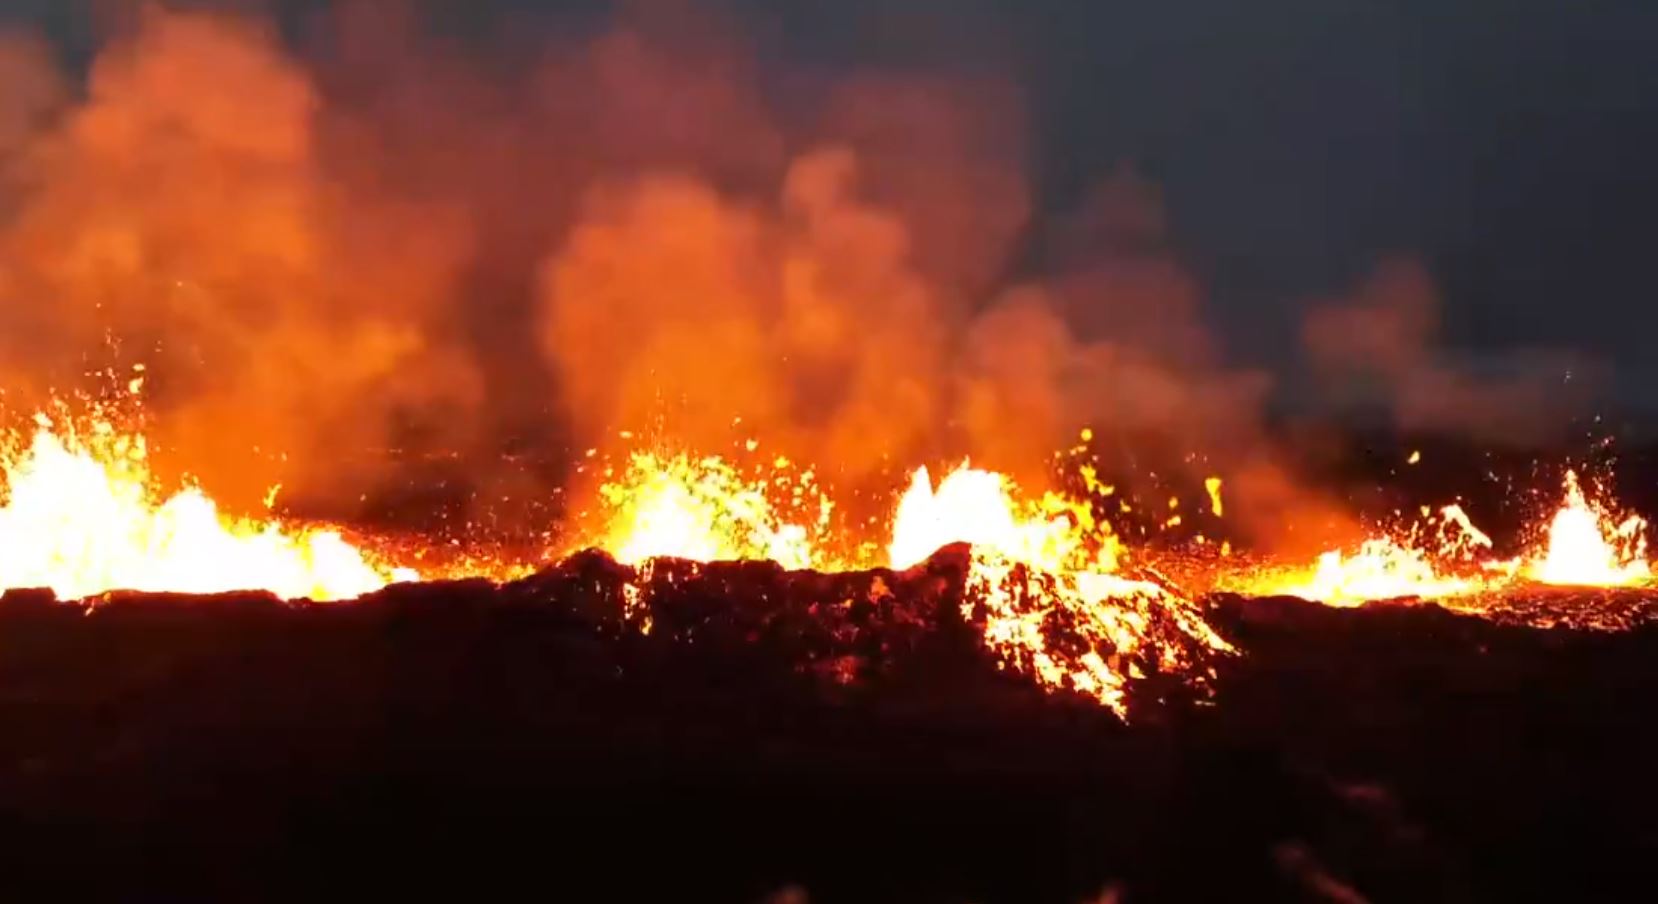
(778,730)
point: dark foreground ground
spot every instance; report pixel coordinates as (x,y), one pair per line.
(776,732)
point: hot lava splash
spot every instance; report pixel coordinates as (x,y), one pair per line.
(1044,585)
(1588,546)
(1443,556)
(1042,582)
(82,515)
(1054,590)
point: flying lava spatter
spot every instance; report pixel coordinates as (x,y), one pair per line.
(1587,547)
(1583,545)
(82,514)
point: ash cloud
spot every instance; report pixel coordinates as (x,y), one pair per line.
(181,212)
(1379,348)
(1113,336)
(363,235)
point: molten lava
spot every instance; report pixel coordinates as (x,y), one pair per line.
(1437,557)
(977,507)
(1042,584)
(1583,546)
(1379,569)
(1050,585)
(83,517)
(1587,547)
(706,510)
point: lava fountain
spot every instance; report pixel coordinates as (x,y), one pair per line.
(706,509)
(1586,546)
(1437,557)
(82,515)
(1044,586)
(1446,556)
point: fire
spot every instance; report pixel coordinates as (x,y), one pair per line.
(1039,566)
(706,510)
(1041,581)
(1211,486)
(1379,569)
(1437,558)
(977,507)
(1049,583)
(1087,631)
(1587,547)
(84,517)
(1583,545)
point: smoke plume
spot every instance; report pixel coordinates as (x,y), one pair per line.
(1378,348)
(362,238)
(180,215)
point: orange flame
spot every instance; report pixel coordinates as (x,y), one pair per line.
(82,515)
(1586,547)
(706,510)
(1436,559)
(1037,563)
(84,518)
(1380,569)
(977,507)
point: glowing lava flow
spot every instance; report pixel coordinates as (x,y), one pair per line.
(1586,547)
(1583,546)
(1379,569)
(705,510)
(84,518)
(976,507)
(1436,559)
(1041,580)
(80,513)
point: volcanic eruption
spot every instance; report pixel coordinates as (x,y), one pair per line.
(595,393)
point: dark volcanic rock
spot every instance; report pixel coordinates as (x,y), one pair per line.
(844,734)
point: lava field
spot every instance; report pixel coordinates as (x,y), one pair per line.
(780,734)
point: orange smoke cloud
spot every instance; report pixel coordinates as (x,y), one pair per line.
(183,215)
(675,309)
(388,239)
(1379,346)
(33,91)
(1115,339)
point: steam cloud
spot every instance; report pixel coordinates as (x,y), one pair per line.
(368,238)
(1378,347)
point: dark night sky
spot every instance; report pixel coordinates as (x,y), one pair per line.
(1510,145)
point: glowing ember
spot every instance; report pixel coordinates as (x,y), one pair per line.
(1041,583)
(82,515)
(1379,569)
(1085,631)
(977,507)
(84,518)
(1584,545)
(705,510)
(1587,547)
(1436,559)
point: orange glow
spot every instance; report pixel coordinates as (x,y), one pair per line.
(1437,558)
(706,510)
(83,517)
(1379,569)
(1049,584)
(1583,545)
(1116,619)
(1212,486)
(977,507)
(1036,563)
(1586,546)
